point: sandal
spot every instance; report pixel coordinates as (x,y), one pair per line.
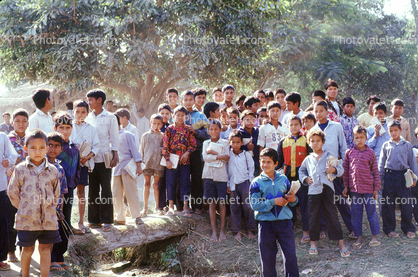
(77,232)
(159,212)
(53,268)
(107,227)
(374,243)
(305,240)
(138,221)
(170,212)
(313,251)
(410,235)
(65,266)
(95,225)
(357,245)
(4,266)
(345,253)
(119,222)
(393,235)
(13,260)
(143,214)
(352,236)
(187,214)
(85,229)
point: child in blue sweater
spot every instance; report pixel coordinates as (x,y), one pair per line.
(269,195)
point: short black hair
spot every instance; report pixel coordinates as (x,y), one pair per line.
(271,153)
(225,87)
(140,110)
(395,123)
(241,98)
(293,97)
(6,113)
(273,104)
(216,89)
(322,103)
(319,93)
(260,110)
(259,91)
(110,101)
(235,134)
(117,118)
(69,105)
(210,107)
(372,97)
(81,104)
(295,117)
(246,113)
(96,94)
(380,106)
(310,116)
(250,101)
(330,83)
(35,134)
(164,106)
(216,122)
(172,90)
(269,93)
(349,100)
(124,113)
(360,130)
(397,102)
(232,110)
(199,91)
(63,119)
(157,117)
(21,112)
(185,93)
(55,136)
(180,109)
(40,96)
(279,90)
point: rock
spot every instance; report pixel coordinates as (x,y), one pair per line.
(121,266)
(155,228)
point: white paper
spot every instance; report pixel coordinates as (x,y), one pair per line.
(130,168)
(84,149)
(376,121)
(295,186)
(217,148)
(174,158)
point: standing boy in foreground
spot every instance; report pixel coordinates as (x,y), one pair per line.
(269,195)
(36,220)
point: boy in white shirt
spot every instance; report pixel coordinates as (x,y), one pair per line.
(41,119)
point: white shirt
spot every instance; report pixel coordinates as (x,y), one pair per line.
(107,129)
(269,136)
(337,109)
(86,132)
(283,114)
(290,114)
(142,124)
(240,168)
(70,112)
(41,120)
(132,129)
(7,151)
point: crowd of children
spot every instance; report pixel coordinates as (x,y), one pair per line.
(242,158)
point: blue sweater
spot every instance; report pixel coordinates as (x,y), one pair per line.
(262,194)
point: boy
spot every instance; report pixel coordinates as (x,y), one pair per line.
(124,117)
(269,96)
(172,98)
(331,89)
(224,118)
(241,173)
(36,220)
(395,159)
(123,183)
(70,106)
(279,96)
(271,133)
(215,178)
(55,141)
(262,116)
(100,208)
(293,106)
(313,173)
(233,118)
(228,92)
(319,95)
(336,145)
(260,95)
(366,119)
(348,121)
(6,127)
(211,111)
(109,106)
(200,98)
(374,139)
(292,150)
(397,108)
(250,134)
(251,103)
(142,122)
(179,140)
(150,150)
(361,180)
(197,123)
(20,122)
(41,118)
(217,95)
(240,103)
(165,111)
(308,121)
(269,195)
(84,132)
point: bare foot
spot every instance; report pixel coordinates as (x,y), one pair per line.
(222,236)
(12,257)
(238,236)
(214,237)
(251,235)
